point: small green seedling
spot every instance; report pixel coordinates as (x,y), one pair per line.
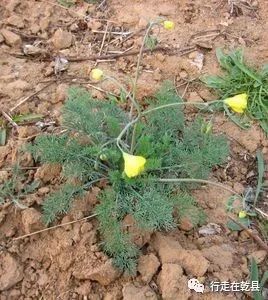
(255,276)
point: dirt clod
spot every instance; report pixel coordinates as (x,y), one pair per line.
(186,224)
(18,85)
(131,292)
(11,272)
(61,93)
(147,266)
(170,251)
(219,256)
(16,21)
(48,172)
(31,220)
(104,274)
(12,39)
(172,282)
(62,39)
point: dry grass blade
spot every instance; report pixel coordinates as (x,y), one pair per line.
(9,119)
(54,227)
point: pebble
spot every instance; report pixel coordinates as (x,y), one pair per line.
(12,39)
(62,39)
(16,21)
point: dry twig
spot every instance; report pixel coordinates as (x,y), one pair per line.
(54,227)
(9,119)
(25,99)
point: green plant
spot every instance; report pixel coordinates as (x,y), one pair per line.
(255,276)
(240,78)
(91,149)
(12,189)
(246,204)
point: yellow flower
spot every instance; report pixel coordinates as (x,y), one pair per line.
(96,74)
(237,103)
(134,165)
(242,214)
(169,25)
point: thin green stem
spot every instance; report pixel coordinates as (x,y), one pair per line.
(134,121)
(177,104)
(125,129)
(135,85)
(114,80)
(180,180)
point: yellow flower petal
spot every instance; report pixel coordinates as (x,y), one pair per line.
(134,165)
(242,214)
(96,74)
(237,103)
(169,25)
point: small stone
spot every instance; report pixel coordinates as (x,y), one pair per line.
(31,220)
(132,292)
(3,176)
(11,38)
(186,224)
(11,272)
(147,266)
(48,172)
(16,21)
(259,256)
(62,39)
(172,282)
(104,275)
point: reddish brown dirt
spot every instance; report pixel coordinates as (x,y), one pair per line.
(67,263)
